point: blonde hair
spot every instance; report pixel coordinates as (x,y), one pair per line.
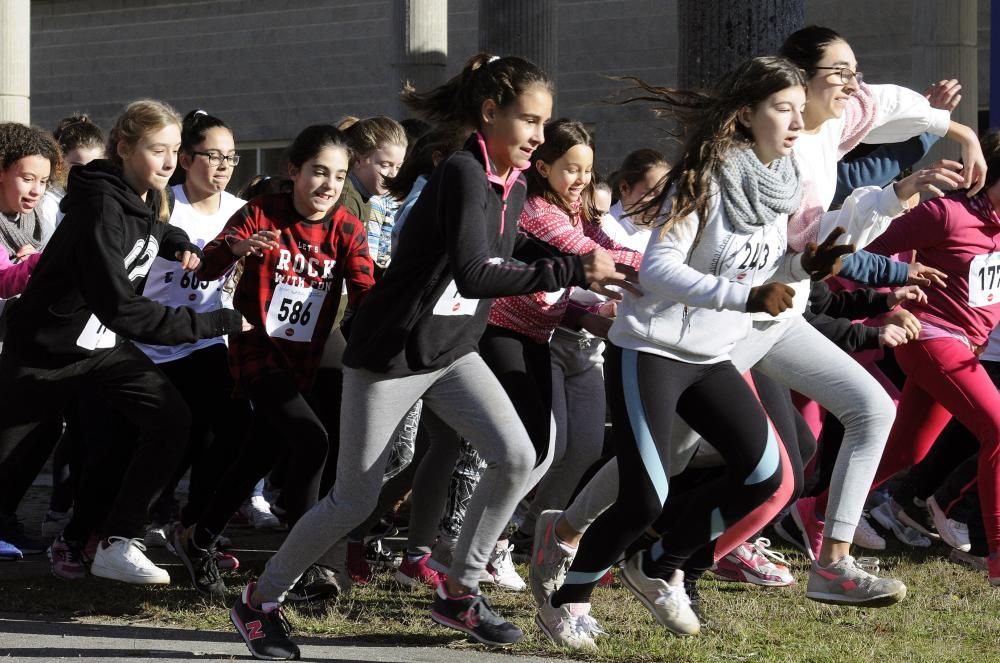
(139,118)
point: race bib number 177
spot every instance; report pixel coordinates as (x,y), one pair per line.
(984,280)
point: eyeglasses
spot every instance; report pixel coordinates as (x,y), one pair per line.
(846,75)
(216,158)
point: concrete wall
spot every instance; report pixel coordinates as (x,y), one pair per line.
(270,67)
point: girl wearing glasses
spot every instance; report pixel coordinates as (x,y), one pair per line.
(199,370)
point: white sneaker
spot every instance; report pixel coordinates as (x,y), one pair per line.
(124,560)
(569,625)
(953,532)
(54,523)
(258,513)
(666,600)
(865,536)
(501,568)
(157,536)
(550,559)
(885,514)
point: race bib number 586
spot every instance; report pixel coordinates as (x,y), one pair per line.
(984,280)
(293,312)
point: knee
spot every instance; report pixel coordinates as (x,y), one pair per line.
(520,459)
(876,412)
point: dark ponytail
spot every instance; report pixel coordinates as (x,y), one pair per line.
(807,46)
(458,102)
(78,131)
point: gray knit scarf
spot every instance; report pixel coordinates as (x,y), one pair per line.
(754,194)
(20,229)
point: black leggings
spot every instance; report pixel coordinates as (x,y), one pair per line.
(136,391)
(647,392)
(524,369)
(283,423)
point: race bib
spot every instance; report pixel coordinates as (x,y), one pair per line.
(452,303)
(984,280)
(293,312)
(95,335)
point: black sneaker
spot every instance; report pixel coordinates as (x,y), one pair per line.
(522,543)
(473,614)
(200,563)
(379,554)
(12,531)
(917,516)
(265,631)
(317,584)
(691,589)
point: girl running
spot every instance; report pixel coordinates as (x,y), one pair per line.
(299,249)
(944,378)
(416,337)
(68,335)
(729,198)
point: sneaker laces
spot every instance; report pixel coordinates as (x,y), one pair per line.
(138,543)
(69,552)
(502,559)
(585,625)
(675,594)
(763,547)
(868,564)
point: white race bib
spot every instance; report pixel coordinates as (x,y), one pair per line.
(452,303)
(95,335)
(293,312)
(984,280)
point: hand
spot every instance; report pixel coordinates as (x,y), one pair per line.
(246,325)
(770,298)
(600,270)
(935,179)
(257,243)
(972,156)
(911,293)
(944,94)
(189,260)
(25,251)
(926,276)
(825,260)
(596,324)
(608,309)
(891,336)
(903,318)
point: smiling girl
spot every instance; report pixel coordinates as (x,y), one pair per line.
(416,337)
(300,249)
(29,160)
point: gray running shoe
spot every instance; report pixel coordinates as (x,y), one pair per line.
(549,560)
(845,583)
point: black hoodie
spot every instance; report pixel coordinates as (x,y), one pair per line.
(83,295)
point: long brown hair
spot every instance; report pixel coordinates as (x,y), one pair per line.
(708,122)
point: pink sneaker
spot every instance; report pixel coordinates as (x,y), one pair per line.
(416,573)
(226,561)
(607,580)
(749,563)
(357,565)
(67,560)
(810,527)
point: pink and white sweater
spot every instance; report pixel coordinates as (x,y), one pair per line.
(537,315)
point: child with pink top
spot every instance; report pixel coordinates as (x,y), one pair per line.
(960,236)
(14,276)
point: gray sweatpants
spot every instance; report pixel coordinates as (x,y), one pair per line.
(794,354)
(468,398)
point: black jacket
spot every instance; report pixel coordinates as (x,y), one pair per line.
(461,233)
(91,271)
(832,313)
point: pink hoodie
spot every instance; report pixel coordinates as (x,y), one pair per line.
(961,237)
(14,277)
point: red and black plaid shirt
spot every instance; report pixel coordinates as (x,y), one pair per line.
(307,270)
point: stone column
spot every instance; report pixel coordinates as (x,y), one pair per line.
(944,46)
(525,28)
(15,61)
(421,36)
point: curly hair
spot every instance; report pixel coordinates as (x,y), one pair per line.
(18,141)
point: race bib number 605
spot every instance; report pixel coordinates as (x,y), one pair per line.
(293,312)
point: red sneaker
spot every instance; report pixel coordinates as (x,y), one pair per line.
(607,580)
(357,565)
(416,573)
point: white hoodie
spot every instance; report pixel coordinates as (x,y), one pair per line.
(693,307)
